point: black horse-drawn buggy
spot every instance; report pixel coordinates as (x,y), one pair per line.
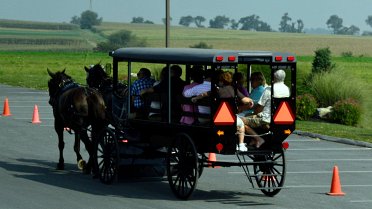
(186,148)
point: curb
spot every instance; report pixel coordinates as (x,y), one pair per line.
(334,139)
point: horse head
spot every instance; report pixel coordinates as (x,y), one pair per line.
(96,76)
(57,83)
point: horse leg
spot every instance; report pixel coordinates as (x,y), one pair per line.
(61,146)
(88,146)
(80,162)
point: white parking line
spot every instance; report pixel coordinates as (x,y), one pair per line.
(360,201)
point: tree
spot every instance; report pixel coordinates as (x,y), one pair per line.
(186,20)
(300,26)
(219,22)
(137,20)
(369,20)
(334,22)
(198,21)
(284,25)
(234,24)
(249,22)
(89,19)
(75,20)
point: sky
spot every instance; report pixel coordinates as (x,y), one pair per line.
(314,13)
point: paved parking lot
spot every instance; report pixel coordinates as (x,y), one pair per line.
(28,154)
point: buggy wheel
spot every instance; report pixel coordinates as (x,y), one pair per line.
(270,172)
(182,166)
(107,156)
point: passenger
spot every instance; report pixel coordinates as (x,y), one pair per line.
(201,90)
(196,76)
(144,81)
(262,117)
(226,90)
(240,81)
(177,85)
(258,83)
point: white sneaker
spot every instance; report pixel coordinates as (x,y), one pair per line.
(242,147)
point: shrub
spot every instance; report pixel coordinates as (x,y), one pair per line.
(328,88)
(122,38)
(346,112)
(322,61)
(202,45)
(347,54)
(305,106)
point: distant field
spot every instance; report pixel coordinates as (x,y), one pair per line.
(301,44)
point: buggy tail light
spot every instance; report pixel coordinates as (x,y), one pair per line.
(290,58)
(219,58)
(231,58)
(278,58)
(285,145)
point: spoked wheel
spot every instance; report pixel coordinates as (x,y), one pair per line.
(107,156)
(182,166)
(270,172)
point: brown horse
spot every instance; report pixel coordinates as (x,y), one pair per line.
(77,108)
(115,99)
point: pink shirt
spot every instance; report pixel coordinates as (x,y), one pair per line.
(188,108)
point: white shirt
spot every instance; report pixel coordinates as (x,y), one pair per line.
(197,90)
(265,101)
(281,90)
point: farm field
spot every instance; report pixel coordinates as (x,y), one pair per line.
(26,53)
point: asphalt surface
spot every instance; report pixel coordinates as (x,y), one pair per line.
(28,179)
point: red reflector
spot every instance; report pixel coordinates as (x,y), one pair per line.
(224,115)
(278,58)
(219,147)
(285,145)
(219,58)
(290,58)
(231,58)
(124,140)
(284,114)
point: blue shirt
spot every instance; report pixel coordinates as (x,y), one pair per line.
(255,95)
(137,87)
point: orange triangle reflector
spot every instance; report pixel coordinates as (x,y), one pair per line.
(224,115)
(284,114)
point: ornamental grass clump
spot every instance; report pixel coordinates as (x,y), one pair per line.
(347,112)
(329,88)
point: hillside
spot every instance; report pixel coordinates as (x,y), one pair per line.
(32,38)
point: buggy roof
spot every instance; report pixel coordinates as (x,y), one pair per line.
(191,55)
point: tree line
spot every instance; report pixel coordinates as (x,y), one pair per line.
(89,18)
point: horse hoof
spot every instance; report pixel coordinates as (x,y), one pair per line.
(81,164)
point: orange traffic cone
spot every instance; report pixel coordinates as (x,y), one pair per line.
(35,116)
(212,158)
(336,185)
(6,110)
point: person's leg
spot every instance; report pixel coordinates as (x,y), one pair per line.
(249,124)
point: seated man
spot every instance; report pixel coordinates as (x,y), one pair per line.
(262,116)
(144,81)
